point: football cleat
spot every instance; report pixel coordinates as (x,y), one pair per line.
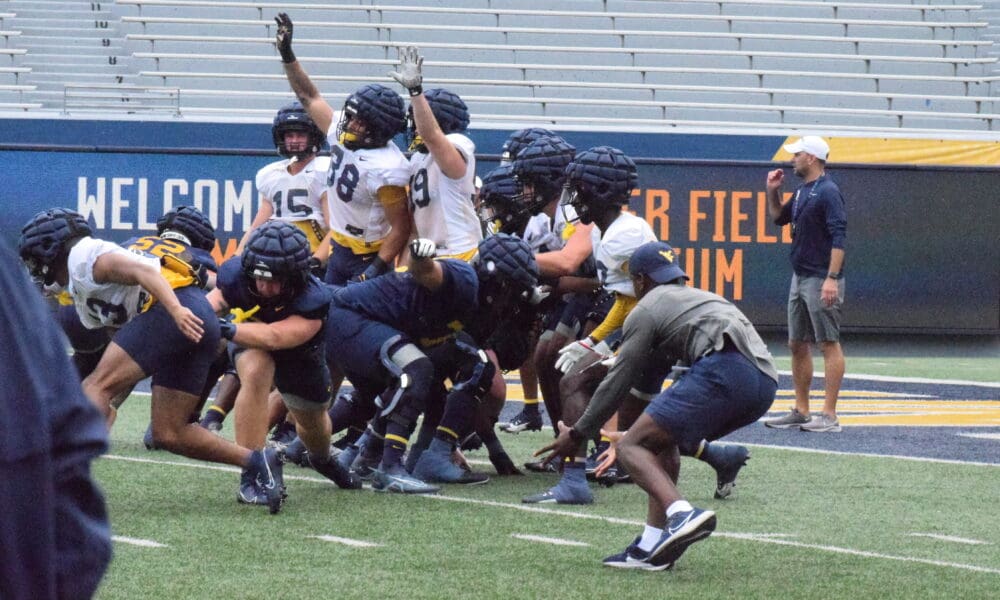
(398,481)
(283,433)
(335,472)
(264,470)
(634,557)
(564,492)
(521,421)
(435,467)
(735,457)
(540,466)
(682,530)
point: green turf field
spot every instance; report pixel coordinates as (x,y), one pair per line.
(799,525)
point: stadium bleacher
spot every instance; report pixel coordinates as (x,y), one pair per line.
(921,65)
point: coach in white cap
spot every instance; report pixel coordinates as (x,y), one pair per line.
(819,229)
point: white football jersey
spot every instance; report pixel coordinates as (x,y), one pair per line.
(443,208)
(294,197)
(543,236)
(353,180)
(104,304)
(614,247)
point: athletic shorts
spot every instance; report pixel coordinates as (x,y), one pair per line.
(722,392)
(354,344)
(809,320)
(344,264)
(300,374)
(155,343)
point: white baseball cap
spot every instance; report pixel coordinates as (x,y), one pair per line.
(810,144)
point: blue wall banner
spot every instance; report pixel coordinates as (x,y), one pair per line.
(922,252)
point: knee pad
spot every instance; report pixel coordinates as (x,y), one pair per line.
(412,373)
(476,375)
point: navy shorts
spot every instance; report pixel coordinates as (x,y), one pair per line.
(302,372)
(721,393)
(345,264)
(153,341)
(354,343)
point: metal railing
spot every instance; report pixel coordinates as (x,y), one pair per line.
(129,99)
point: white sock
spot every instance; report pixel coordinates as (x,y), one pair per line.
(678,506)
(650,535)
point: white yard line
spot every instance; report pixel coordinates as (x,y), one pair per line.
(982,436)
(344,541)
(548,540)
(943,461)
(767,538)
(137,542)
(892,379)
(951,538)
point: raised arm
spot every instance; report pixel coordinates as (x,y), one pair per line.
(410,76)
(425,270)
(302,86)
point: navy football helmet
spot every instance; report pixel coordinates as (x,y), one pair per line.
(597,179)
(189,222)
(506,269)
(45,241)
(382,111)
(450,112)
(519,139)
(542,164)
(278,250)
(500,207)
(294,117)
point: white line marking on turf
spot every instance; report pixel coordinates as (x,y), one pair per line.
(345,541)
(763,538)
(910,379)
(137,542)
(951,538)
(943,461)
(547,540)
(982,436)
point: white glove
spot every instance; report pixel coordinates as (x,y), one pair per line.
(423,248)
(410,73)
(570,354)
(538,293)
(610,361)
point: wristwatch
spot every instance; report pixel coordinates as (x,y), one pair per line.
(834,275)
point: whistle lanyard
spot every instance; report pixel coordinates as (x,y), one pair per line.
(797,208)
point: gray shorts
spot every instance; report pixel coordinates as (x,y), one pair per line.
(809,320)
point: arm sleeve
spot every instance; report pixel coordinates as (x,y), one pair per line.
(639,330)
(616,317)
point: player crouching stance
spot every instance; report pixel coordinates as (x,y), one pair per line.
(164,328)
(731,383)
(283,346)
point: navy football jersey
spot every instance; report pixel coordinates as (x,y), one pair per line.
(397,300)
(312,302)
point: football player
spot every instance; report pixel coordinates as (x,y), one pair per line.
(281,347)
(165,328)
(443,163)
(293,189)
(367,178)
(402,335)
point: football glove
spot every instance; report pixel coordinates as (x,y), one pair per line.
(410,74)
(283,38)
(538,294)
(423,248)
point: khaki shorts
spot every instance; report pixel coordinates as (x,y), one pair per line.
(809,320)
